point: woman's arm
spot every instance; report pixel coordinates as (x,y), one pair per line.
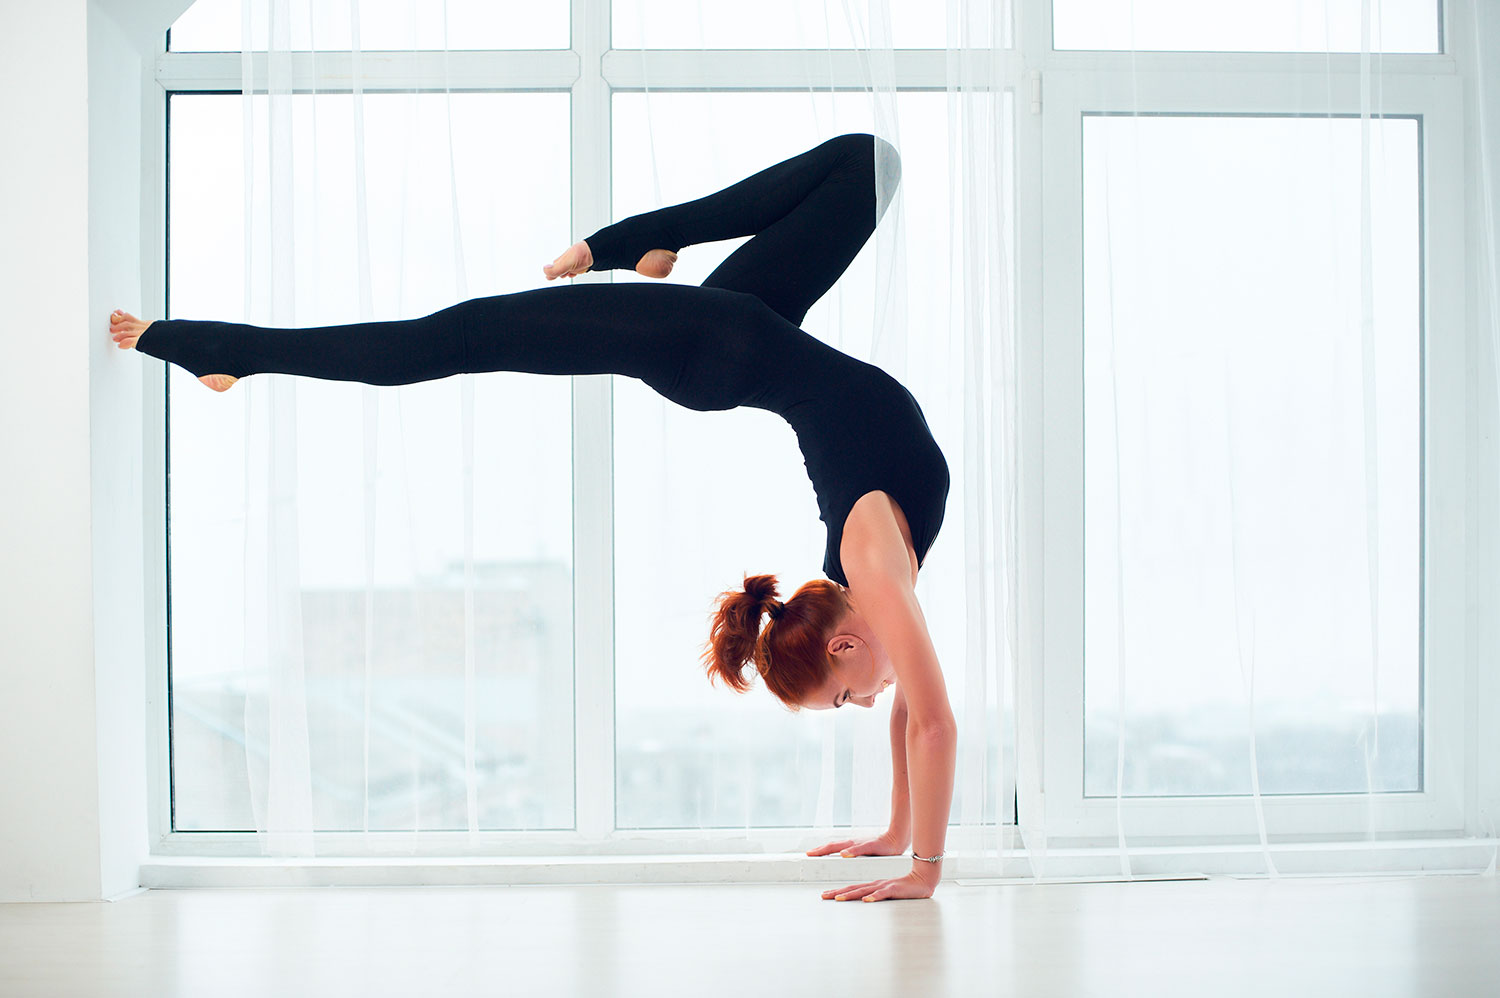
(931,731)
(898,836)
(900,830)
(877,563)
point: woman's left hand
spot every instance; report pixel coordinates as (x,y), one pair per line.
(909,886)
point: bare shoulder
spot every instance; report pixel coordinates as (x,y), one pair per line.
(881,569)
(876,531)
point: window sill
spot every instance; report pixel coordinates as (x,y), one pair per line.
(964,869)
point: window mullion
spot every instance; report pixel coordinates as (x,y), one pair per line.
(593,465)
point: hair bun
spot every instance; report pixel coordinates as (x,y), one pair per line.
(760,588)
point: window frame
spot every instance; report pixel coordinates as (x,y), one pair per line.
(1048,87)
(619,71)
(1429,90)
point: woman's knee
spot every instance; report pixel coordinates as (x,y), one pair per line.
(875,159)
(887,175)
(864,145)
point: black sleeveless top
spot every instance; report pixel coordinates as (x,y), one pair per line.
(860,431)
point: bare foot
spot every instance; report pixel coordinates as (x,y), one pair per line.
(577,259)
(127,330)
(573,261)
(657,263)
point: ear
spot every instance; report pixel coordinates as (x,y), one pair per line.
(840,643)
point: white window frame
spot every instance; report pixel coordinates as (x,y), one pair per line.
(1049,88)
(592,72)
(1429,88)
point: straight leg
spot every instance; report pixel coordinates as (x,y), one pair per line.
(658,333)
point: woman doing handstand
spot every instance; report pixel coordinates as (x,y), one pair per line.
(880,479)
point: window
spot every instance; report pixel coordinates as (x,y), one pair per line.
(737,760)
(1218,412)
(410,690)
(663,773)
(1221,358)
(779,24)
(216,26)
(1241,26)
(1141,302)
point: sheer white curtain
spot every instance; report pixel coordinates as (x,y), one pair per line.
(371,584)
(1271,333)
(1193,589)
(320,246)
(928,300)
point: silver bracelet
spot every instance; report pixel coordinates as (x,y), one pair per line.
(927,859)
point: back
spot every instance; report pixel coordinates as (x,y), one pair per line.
(860,430)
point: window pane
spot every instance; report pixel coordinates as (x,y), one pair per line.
(701,499)
(1223,363)
(522,481)
(1243,26)
(215,25)
(777,24)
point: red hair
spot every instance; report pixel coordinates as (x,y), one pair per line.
(791,653)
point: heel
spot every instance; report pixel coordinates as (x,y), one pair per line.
(656,263)
(219,382)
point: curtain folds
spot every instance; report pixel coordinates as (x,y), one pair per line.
(1238,287)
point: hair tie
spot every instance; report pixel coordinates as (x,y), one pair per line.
(775,609)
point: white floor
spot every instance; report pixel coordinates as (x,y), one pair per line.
(1427,936)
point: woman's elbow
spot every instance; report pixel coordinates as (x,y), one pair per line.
(938,727)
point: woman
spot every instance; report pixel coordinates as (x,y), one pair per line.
(880,479)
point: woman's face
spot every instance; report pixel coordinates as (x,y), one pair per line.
(860,669)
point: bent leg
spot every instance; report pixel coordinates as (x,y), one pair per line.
(809,216)
(793,262)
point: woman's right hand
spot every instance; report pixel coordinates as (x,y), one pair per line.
(882,845)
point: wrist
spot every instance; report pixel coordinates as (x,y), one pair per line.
(928,873)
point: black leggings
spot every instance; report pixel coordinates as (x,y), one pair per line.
(809,216)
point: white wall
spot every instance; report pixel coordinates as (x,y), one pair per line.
(49,827)
(118,84)
(77,641)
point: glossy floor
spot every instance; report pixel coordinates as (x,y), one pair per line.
(1426,936)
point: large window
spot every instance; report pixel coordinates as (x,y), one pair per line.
(1252,335)
(1222,391)
(402,680)
(217,26)
(687,754)
(1183,246)
(1242,26)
